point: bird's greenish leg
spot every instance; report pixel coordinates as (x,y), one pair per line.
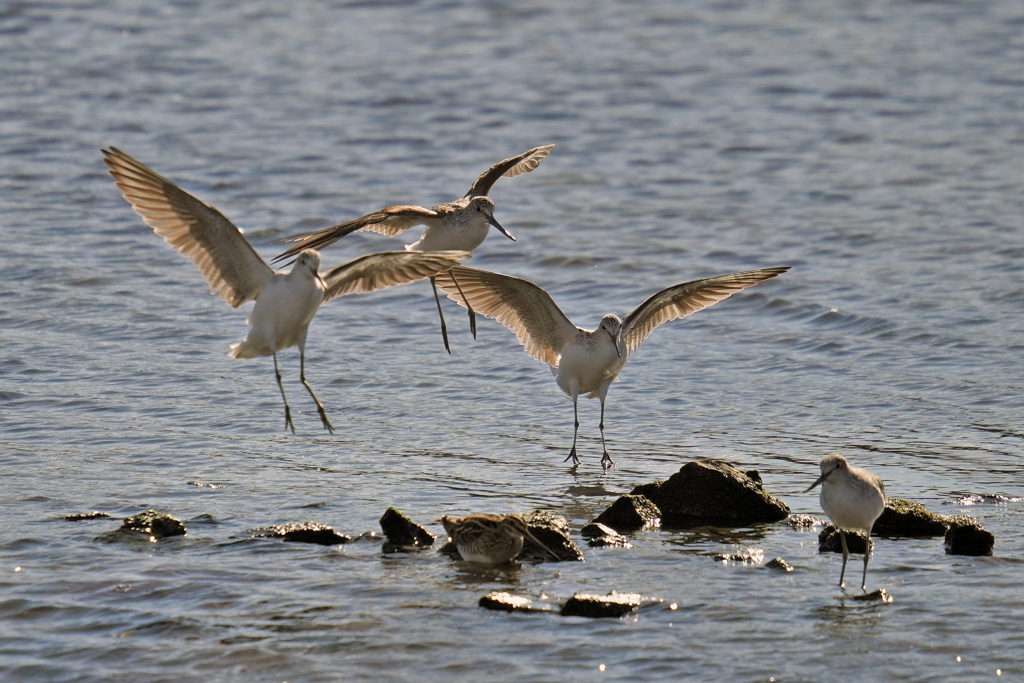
(444,329)
(867,556)
(319,406)
(472,314)
(606,460)
(575,429)
(846,556)
(287,411)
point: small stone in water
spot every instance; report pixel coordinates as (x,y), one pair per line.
(880,595)
(780,564)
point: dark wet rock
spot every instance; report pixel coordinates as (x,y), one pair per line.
(84,515)
(594,529)
(878,595)
(402,532)
(601,536)
(967,537)
(630,513)
(804,522)
(907,518)
(149,526)
(829,541)
(713,492)
(553,531)
(303,532)
(598,606)
(648,491)
(745,556)
(780,564)
(506,602)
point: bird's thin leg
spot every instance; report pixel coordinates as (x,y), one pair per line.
(444,329)
(867,556)
(472,315)
(319,406)
(575,429)
(606,460)
(846,556)
(287,411)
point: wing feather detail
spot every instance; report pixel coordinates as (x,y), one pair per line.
(682,300)
(391,221)
(214,244)
(387,269)
(508,168)
(521,306)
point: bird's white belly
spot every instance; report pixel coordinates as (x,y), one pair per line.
(444,237)
(851,507)
(282,314)
(586,368)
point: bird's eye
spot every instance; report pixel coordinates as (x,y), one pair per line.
(478,209)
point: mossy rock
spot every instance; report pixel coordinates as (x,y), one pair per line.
(148,526)
(553,531)
(713,492)
(601,606)
(829,541)
(967,537)
(907,518)
(84,516)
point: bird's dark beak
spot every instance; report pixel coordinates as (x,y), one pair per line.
(616,342)
(819,480)
(503,231)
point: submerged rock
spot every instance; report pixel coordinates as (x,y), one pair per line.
(84,515)
(780,564)
(403,533)
(967,537)
(601,536)
(598,606)
(713,492)
(149,525)
(303,532)
(829,541)
(630,513)
(877,595)
(506,602)
(907,518)
(745,556)
(553,531)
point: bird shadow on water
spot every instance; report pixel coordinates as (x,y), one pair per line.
(854,609)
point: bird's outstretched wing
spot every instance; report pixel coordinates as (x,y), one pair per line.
(519,305)
(682,300)
(391,221)
(509,168)
(225,258)
(386,269)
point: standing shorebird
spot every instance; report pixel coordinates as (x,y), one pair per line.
(460,225)
(584,361)
(853,499)
(285,302)
(490,539)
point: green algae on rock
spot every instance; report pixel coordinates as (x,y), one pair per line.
(907,518)
(967,537)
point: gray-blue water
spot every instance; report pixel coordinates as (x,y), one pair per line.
(876,146)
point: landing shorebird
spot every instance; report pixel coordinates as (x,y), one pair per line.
(584,361)
(490,539)
(461,225)
(853,499)
(285,302)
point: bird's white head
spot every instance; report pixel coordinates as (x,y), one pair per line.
(829,465)
(612,324)
(308,260)
(483,207)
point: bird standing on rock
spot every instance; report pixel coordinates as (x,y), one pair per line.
(285,302)
(853,498)
(459,225)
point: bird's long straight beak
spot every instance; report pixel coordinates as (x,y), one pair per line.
(616,343)
(818,481)
(534,539)
(503,231)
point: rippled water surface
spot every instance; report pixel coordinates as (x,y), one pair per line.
(874,146)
